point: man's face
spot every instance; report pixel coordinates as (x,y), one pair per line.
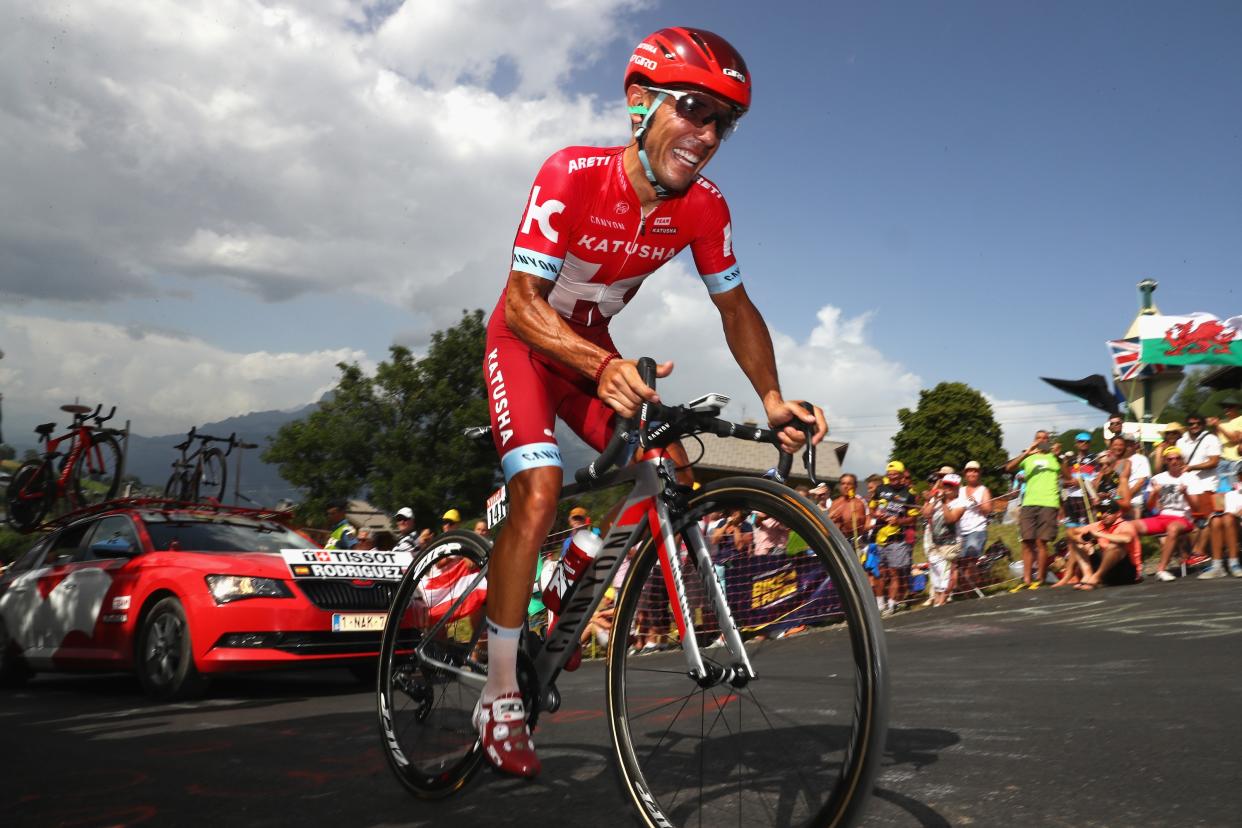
(1194,425)
(1083,446)
(1175,463)
(335,515)
(972,477)
(577,521)
(849,484)
(1172,435)
(405,525)
(677,149)
(1114,424)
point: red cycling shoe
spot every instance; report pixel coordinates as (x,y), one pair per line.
(507,743)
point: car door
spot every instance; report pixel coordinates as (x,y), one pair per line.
(56,628)
(19,596)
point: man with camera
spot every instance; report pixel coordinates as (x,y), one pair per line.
(1041,501)
(1101,550)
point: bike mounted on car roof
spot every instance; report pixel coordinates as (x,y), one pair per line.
(201,473)
(817,703)
(83,466)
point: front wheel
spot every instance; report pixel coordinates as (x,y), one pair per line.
(433,637)
(212,476)
(29,495)
(96,475)
(165,657)
(798,744)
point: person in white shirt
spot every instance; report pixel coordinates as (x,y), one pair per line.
(405,531)
(970,511)
(1201,449)
(1139,472)
(1168,499)
(1224,529)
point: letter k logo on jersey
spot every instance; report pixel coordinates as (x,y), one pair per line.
(542,213)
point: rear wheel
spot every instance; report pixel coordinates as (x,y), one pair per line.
(798,744)
(424,707)
(165,657)
(96,475)
(175,488)
(30,494)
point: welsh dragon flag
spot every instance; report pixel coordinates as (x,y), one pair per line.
(1193,339)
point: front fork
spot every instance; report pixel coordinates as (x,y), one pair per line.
(740,672)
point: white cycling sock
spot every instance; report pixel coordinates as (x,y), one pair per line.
(502,647)
(879,602)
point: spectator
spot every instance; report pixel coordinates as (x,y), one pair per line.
(366,540)
(450,520)
(771,535)
(731,537)
(894,513)
(822,496)
(1138,472)
(1167,498)
(1080,471)
(1201,449)
(407,539)
(579,518)
(873,485)
(1171,434)
(1229,431)
(1115,427)
(1224,528)
(1100,550)
(1037,521)
(970,511)
(480,529)
(944,549)
(342,535)
(425,538)
(849,511)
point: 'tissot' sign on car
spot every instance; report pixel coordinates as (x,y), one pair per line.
(346,563)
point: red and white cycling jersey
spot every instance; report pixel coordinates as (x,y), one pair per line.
(583,229)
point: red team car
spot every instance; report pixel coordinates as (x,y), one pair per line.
(177,593)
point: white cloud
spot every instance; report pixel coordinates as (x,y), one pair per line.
(163,382)
(835,365)
(284,148)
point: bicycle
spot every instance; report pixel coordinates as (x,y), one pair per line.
(818,701)
(89,470)
(204,472)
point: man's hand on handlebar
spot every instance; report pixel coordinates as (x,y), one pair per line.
(622,389)
(781,411)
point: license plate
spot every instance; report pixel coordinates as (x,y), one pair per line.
(370,622)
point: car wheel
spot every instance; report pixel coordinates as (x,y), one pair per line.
(14,671)
(165,659)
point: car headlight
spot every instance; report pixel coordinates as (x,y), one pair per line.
(226,588)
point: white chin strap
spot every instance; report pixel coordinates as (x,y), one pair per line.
(639,134)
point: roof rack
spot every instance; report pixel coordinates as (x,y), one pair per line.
(160,504)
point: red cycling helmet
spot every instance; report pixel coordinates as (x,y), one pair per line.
(680,56)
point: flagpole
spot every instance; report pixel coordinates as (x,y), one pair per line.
(1146,288)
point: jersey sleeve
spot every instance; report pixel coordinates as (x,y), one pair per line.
(713,247)
(543,236)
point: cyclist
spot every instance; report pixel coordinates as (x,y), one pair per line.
(597,222)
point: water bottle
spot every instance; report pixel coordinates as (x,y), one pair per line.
(583,547)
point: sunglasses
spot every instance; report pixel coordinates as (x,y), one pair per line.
(701,110)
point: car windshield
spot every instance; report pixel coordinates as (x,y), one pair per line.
(226,533)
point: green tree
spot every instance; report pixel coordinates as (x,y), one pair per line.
(396,438)
(1191,397)
(952,424)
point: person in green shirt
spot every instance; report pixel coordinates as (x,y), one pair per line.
(1041,501)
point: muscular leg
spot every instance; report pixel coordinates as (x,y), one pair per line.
(1110,555)
(1171,536)
(533,494)
(1042,570)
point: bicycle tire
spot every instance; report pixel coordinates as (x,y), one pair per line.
(99,464)
(211,476)
(837,683)
(425,714)
(29,494)
(175,488)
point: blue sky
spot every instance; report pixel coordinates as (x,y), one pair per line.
(973,189)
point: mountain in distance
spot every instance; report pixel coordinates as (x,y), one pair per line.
(150,459)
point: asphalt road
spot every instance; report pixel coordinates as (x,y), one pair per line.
(1113,708)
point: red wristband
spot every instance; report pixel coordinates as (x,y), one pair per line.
(599,372)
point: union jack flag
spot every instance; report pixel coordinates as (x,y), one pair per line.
(1126,365)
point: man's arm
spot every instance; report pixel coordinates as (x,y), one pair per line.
(1012,465)
(751,345)
(529,315)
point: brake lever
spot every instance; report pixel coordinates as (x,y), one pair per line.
(808,453)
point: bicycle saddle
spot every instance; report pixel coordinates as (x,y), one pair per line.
(74,408)
(46,429)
